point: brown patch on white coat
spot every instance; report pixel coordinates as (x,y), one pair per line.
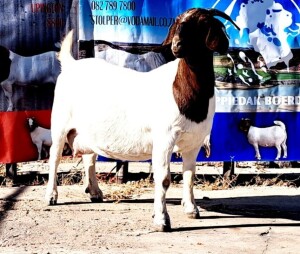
(193,33)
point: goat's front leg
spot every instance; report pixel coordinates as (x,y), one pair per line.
(92,187)
(162,179)
(55,155)
(188,201)
(39,149)
(257,154)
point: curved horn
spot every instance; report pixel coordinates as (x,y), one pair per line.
(221,14)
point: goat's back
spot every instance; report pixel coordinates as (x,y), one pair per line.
(96,85)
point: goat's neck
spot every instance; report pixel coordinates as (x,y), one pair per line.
(193,87)
(166,51)
(201,63)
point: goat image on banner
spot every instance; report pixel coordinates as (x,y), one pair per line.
(31,32)
(273,136)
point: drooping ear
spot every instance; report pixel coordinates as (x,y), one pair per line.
(171,33)
(217,39)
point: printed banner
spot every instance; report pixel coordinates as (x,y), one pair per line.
(257,80)
(31,31)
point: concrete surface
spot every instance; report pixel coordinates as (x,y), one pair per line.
(240,220)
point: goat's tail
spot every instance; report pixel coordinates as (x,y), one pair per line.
(279,123)
(65,54)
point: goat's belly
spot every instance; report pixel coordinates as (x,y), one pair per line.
(133,150)
(124,157)
(119,146)
(130,153)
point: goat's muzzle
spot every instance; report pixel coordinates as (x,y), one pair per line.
(177,47)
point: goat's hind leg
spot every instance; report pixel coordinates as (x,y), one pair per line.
(278,147)
(188,201)
(284,147)
(91,181)
(55,156)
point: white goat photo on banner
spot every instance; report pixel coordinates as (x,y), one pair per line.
(38,70)
(273,136)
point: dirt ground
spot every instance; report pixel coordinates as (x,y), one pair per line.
(239,220)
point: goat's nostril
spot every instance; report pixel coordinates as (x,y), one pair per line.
(178,45)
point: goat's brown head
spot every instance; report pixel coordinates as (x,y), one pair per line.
(32,123)
(197,29)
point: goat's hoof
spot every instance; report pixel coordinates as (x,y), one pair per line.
(96,199)
(52,201)
(162,228)
(163,224)
(193,215)
(190,210)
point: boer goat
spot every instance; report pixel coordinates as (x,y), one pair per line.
(29,70)
(133,116)
(273,136)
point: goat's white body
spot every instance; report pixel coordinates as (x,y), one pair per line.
(37,70)
(121,120)
(274,136)
(126,115)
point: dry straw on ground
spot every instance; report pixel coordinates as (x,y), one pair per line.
(134,188)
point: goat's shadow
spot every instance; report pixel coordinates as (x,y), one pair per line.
(280,206)
(269,207)
(277,206)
